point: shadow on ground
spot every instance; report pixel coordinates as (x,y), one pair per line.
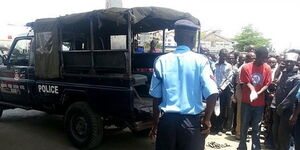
(28,130)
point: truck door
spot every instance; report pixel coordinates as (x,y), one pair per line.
(14,73)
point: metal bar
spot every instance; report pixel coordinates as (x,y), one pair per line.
(92,34)
(103,75)
(61,51)
(92,44)
(129,45)
(199,43)
(164,39)
(98,51)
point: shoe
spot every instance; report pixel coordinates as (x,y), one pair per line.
(233,132)
(224,131)
(219,133)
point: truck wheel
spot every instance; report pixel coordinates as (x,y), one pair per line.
(84,126)
(1,111)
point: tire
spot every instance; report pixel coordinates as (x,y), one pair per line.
(1,111)
(83,125)
(2,108)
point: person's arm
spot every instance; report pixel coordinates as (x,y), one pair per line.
(251,87)
(267,82)
(210,106)
(262,89)
(156,113)
(245,78)
(156,110)
(156,92)
(210,93)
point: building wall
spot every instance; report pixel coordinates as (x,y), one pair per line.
(216,46)
(113,3)
(215,42)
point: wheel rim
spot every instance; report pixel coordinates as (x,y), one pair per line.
(79,127)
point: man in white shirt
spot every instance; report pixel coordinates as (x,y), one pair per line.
(223,74)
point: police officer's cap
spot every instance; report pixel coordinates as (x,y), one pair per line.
(186,24)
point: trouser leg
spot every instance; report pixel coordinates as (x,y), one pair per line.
(269,137)
(230,114)
(257,115)
(245,120)
(234,106)
(275,126)
(214,123)
(221,117)
(284,132)
(225,109)
(189,133)
(166,133)
(297,134)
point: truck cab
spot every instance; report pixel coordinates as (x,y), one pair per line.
(15,73)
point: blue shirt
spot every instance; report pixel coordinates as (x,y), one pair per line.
(181,78)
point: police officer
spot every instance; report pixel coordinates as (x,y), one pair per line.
(180,80)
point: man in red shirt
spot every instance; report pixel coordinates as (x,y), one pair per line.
(256,77)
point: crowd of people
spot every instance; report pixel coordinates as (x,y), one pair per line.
(257,89)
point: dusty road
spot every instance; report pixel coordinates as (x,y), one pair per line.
(34,130)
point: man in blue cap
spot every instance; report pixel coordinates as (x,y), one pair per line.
(179,82)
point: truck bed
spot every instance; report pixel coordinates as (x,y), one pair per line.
(144,104)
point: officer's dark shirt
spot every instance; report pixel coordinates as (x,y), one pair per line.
(285,85)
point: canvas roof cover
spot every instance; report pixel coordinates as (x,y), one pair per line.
(114,21)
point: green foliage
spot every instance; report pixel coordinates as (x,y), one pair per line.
(249,36)
(147,46)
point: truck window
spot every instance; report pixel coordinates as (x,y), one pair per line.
(20,53)
(66,46)
(118,42)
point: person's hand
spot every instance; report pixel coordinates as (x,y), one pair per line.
(206,126)
(293,120)
(153,132)
(253,96)
(234,100)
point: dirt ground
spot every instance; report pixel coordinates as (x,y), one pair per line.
(28,130)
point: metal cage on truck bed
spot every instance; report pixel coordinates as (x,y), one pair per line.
(97,60)
(88,37)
